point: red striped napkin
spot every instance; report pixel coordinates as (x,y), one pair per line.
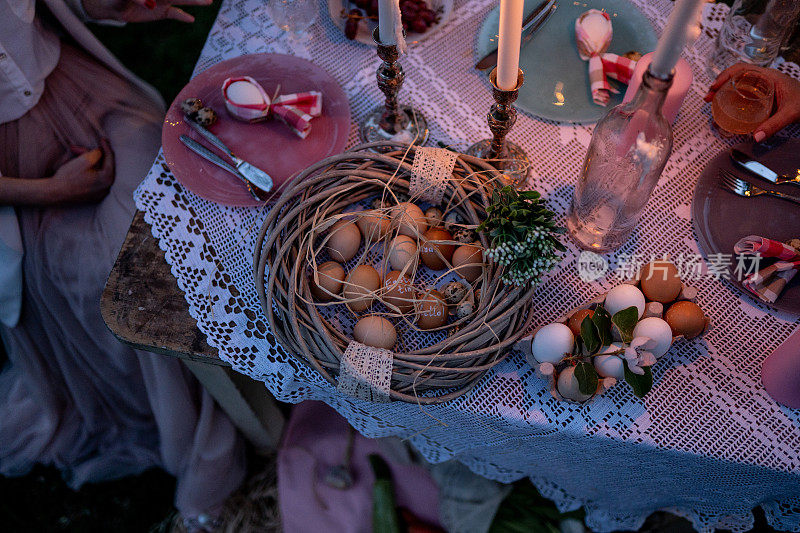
(769,282)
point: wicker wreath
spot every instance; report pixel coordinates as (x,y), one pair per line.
(288,241)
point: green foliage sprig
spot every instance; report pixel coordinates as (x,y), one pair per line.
(595,335)
(523,235)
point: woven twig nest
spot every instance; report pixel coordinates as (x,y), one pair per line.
(428,367)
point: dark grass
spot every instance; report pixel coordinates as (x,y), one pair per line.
(164,52)
(41,502)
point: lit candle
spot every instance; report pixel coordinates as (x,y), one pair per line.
(682,28)
(509,43)
(386,21)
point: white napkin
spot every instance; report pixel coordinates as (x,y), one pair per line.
(10,267)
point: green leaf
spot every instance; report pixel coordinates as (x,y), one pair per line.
(641,385)
(578,350)
(587,377)
(590,336)
(625,321)
(602,320)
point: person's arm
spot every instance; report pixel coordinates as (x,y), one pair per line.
(786,109)
(86,178)
(140,10)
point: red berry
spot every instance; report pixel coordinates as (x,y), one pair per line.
(419,26)
(428,16)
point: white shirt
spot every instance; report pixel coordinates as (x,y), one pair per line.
(28,54)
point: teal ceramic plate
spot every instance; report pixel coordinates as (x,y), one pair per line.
(556,79)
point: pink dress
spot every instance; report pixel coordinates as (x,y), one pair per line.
(71,395)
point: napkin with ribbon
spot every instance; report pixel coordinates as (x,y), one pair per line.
(768,282)
(251,103)
(593,33)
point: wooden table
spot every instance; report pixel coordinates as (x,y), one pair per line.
(143,307)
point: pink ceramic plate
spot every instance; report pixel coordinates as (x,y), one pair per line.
(721,218)
(271,146)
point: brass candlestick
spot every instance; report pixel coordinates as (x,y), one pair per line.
(392,121)
(509,157)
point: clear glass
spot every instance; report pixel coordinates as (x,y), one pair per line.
(293,16)
(628,151)
(753,33)
(743,103)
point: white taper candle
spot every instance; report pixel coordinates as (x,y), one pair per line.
(682,28)
(508,45)
(386,22)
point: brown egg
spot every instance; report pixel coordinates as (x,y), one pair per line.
(374,225)
(685,318)
(431,311)
(399,293)
(402,254)
(344,240)
(428,248)
(660,281)
(434,217)
(361,284)
(468,261)
(375,331)
(409,219)
(330,275)
(576,319)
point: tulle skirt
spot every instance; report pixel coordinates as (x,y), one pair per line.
(73,396)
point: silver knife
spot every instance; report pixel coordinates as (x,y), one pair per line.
(532,22)
(760,170)
(208,155)
(252,173)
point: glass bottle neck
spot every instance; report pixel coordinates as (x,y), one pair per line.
(652,93)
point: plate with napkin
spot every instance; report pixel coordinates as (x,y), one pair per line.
(286,137)
(761,235)
(561,89)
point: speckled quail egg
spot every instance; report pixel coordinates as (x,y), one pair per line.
(206,117)
(465,236)
(453,218)
(434,217)
(191,106)
(464,309)
(454,292)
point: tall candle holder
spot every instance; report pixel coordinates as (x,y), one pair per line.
(392,121)
(510,157)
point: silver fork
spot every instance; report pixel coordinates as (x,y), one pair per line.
(742,188)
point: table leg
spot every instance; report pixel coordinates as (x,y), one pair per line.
(248,403)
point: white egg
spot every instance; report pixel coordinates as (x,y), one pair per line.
(567,386)
(244,92)
(609,365)
(552,342)
(658,330)
(624,296)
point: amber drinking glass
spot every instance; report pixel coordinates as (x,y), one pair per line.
(743,103)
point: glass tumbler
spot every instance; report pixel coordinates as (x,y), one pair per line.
(293,16)
(743,103)
(753,33)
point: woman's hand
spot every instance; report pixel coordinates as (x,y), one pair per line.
(786,109)
(141,10)
(86,178)
(83,179)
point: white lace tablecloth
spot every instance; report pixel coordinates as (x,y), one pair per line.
(706,443)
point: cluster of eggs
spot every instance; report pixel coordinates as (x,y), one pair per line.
(416,236)
(659,287)
(194,109)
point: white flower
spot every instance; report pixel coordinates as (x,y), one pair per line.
(637,354)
